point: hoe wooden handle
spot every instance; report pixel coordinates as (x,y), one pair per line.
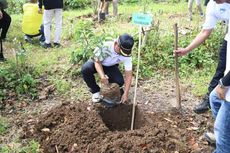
(178,96)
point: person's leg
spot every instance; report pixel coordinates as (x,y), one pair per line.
(115,76)
(5,24)
(205,105)
(47,19)
(190,9)
(58,25)
(106,8)
(42,37)
(221,128)
(198,4)
(88,70)
(115,7)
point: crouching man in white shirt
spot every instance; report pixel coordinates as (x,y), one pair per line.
(106,62)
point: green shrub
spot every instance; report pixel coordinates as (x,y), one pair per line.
(3,125)
(15,6)
(158,52)
(88,41)
(18,77)
(75,4)
(31,147)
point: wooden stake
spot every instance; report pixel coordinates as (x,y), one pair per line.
(136,80)
(178,96)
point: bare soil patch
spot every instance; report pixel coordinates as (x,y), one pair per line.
(79,127)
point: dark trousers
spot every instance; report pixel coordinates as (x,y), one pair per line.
(88,70)
(220,67)
(4,24)
(206,2)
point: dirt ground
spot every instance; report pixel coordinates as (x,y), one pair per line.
(84,127)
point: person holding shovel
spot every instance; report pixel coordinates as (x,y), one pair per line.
(105,63)
(215,11)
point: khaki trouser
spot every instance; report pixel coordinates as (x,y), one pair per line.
(198,4)
(104,7)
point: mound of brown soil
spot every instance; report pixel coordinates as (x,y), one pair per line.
(80,128)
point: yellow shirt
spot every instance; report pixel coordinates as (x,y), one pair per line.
(31,20)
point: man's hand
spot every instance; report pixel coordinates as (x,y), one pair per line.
(105,80)
(40,11)
(1,14)
(124,98)
(221,92)
(181,51)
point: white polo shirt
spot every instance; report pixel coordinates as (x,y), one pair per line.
(216,12)
(108,57)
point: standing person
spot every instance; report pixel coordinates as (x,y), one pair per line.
(198,4)
(105,64)
(5,19)
(216,10)
(32,22)
(115,7)
(104,7)
(52,9)
(220,106)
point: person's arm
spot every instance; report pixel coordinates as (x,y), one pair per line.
(200,38)
(128,81)
(40,3)
(223,86)
(1,15)
(104,78)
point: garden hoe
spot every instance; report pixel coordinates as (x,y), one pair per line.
(108,102)
(111,95)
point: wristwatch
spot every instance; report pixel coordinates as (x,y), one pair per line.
(221,84)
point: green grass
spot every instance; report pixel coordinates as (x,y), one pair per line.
(55,62)
(3,125)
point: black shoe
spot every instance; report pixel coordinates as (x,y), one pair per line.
(2,59)
(57,45)
(45,45)
(204,106)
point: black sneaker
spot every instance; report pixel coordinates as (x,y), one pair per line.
(57,45)
(45,45)
(204,106)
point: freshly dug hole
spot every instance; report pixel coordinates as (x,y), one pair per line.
(119,118)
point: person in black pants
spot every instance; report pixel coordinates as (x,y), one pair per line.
(205,104)
(105,64)
(5,21)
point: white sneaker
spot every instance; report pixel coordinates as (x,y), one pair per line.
(210,137)
(96,97)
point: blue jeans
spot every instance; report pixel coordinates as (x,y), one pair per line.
(221,113)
